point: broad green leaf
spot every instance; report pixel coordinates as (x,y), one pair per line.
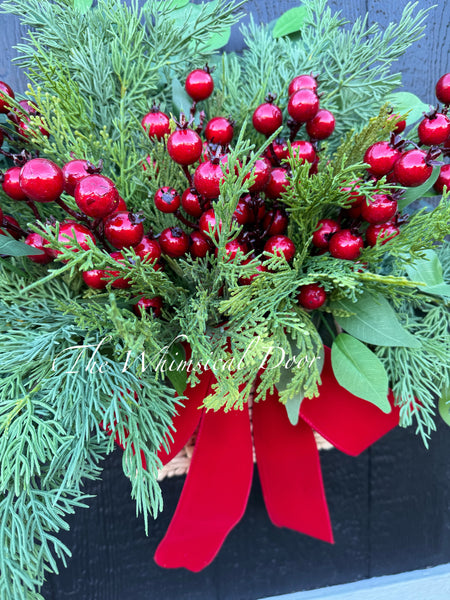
(290,22)
(374,321)
(82,6)
(359,371)
(177,377)
(438,290)
(181,101)
(293,404)
(218,40)
(12,247)
(427,270)
(177,3)
(402,102)
(444,406)
(420,191)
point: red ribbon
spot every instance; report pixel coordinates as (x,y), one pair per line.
(217,486)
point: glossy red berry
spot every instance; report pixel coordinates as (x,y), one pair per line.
(37,241)
(219,131)
(281,151)
(312,296)
(71,231)
(381,158)
(167,200)
(280,245)
(5,93)
(443,181)
(148,249)
(11,185)
(380,209)
(123,229)
(302,82)
(346,244)
(383,232)
(73,172)
(151,306)
(443,89)
(11,225)
(96,196)
(303,105)
(353,194)
(257,207)
(322,125)
(275,222)
(267,118)
(95,279)
(199,84)
(207,178)
(435,130)
(260,268)
(184,146)
(156,124)
(208,222)
(401,125)
(277,184)
(121,283)
(191,204)
(174,242)
(41,180)
(261,171)
(199,244)
(411,169)
(325,229)
(304,151)
(243,212)
(233,249)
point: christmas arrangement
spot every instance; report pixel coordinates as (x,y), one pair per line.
(187,233)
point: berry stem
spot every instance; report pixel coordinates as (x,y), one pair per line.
(183,219)
(294,127)
(193,109)
(274,156)
(188,175)
(71,212)
(13,227)
(34,208)
(98,231)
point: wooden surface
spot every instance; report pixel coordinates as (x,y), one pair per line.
(390,507)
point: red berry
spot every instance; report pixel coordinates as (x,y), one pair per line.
(167,200)
(70,231)
(383,232)
(5,92)
(120,283)
(156,124)
(11,185)
(302,82)
(411,169)
(219,130)
(303,105)
(190,202)
(256,206)
(280,245)
(184,146)
(41,180)
(232,249)
(123,229)
(435,130)
(267,118)
(280,150)
(275,222)
(401,125)
(174,242)
(380,209)
(260,269)
(443,180)
(312,296)
(278,183)
(346,245)
(148,305)
(207,178)
(208,222)
(37,241)
(261,170)
(10,224)
(381,158)
(321,126)
(73,172)
(199,84)
(442,89)
(352,191)
(304,151)
(200,245)
(325,229)
(95,279)
(243,212)
(96,196)
(148,249)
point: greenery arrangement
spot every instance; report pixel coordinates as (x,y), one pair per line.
(79,363)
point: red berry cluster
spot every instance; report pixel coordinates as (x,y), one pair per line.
(20,119)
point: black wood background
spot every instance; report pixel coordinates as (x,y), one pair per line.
(390,507)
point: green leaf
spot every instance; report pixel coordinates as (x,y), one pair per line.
(402,102)
(420,191)
(428,270)
(290,22)
(177,3)
(178,378)
(217,40)
(82,6)
(12,247)
(374,322)
(359,371)
(438,290)
(444,406)
(181,101)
